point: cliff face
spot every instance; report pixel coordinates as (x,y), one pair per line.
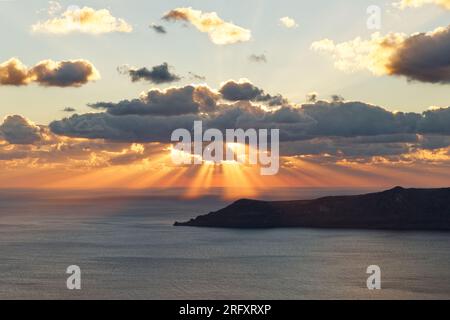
(396,209)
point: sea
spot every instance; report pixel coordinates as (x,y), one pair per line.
(126,247)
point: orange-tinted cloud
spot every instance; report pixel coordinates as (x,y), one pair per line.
(48,73)
(14,73)
(219,31)
(31,156)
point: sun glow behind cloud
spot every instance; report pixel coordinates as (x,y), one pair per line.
(123,144)
(419,56)
(232,179)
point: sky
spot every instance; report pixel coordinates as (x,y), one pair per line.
(66,65)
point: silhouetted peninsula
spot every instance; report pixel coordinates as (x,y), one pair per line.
(395,209)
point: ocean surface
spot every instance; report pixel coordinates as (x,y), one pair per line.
(127,248)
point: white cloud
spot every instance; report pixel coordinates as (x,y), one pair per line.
(54,7)
(288,22)
(84,20)
(359,54)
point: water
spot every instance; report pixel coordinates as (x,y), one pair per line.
(128,249)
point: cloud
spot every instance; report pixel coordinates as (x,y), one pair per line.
(48,73)
(158,74)
(435,121)
(150,128)
(83,20)
(258,58)
(18,130)
(349,119)
(245,90)
(74,73)
(403,4)
(195,76)
(69,109)
(241,90)
(219,31)
(359,54)
(52,151)
(324,119)
(322,131)
(420,57)
(288,22)
(424,57)
(53,8)
(327,131)
(170,102)
(14,73)
(336,132)
(312,97)
(123,128)
(310,121)
(158,28)
(347,147)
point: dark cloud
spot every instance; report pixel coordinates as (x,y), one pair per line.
(170,102)
(312,97)
(434,141)
(158,28)
(336,128)
(195,76)
(246,91)
(69,109)
(292,123)
(18,130)
(236,91)
(188,100)
(321,119)
(436,121)
(424,57)
(64,74)
(48,73)
(258,58)
(148,128)
(357,119)
(125,128)
(337,98)
(272,101)
(176,15)
(158,74)
(348,147)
